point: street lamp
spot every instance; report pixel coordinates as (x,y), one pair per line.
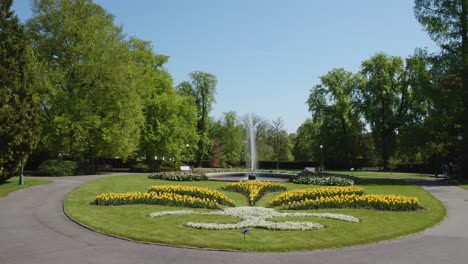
(321,157)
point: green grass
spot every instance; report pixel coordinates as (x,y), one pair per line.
(12,185)
(132,221)
(383,174)
(462,183)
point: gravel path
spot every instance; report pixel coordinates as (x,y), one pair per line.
(34,229)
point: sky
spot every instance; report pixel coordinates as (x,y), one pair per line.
(266,54)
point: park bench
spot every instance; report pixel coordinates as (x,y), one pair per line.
(185,168)
(310,169)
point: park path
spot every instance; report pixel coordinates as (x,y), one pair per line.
(34,229)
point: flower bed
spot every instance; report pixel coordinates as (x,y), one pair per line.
(168,195)
(325,178)
(199,192)
(257,217)
(167,199)
(330,181)
(310,194)
(179,176)
(368,201)
(254,190)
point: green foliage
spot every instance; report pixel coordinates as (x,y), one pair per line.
(58,167)
(92,103)
(20,114)
(279,141)
(202,88)
(391,97)
(329,181)
(141,167)
(336,119)
(179,176)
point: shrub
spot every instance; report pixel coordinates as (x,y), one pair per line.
(85,168)
(141,167)
(179,176)
(254,190)
(330,181)
(58,167)
(304,174)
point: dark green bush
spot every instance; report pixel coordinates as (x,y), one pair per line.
(58,167)
(179,176)
(141,167)
(85,168)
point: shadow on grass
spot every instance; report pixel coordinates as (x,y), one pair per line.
(418,182)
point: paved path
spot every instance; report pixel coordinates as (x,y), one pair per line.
(33,229)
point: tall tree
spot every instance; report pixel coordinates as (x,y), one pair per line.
(391,97)
(170,118)
(307,141)
(202,87)
(446,21)
(333,105)
(20,114)
(93,107)
(279,141)
(233,138)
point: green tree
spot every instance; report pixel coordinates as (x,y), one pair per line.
(446,21)
(391,97)
(233,138)
(20,114)
(279,141)
(307,142)
(170,118)
(202,87)
(334,107)
(92,106)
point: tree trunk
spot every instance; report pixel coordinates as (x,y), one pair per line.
(464,142)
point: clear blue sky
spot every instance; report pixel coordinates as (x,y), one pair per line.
(267,54)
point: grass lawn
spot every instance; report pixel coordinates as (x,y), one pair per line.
(132,221)
(383,174)
(12,185)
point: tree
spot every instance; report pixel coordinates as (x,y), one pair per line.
(391,97)
(446,21)
(307,141)
(170,118)
(334,108)
(203,88)
(92,105)
(20,114)
(279,140)
(233,138)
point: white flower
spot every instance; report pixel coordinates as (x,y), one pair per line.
(256,217)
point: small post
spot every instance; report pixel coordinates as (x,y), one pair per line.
(21,178)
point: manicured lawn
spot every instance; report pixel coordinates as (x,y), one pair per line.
(132,221)
(12,185)
(384,174)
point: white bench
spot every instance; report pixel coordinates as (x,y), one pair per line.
(185,168)
(311,169)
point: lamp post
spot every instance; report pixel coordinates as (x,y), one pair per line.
(321,157)
(188,146)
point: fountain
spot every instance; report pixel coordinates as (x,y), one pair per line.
(252,146)
(251,165)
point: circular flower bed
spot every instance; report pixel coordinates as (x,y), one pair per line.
(254,190)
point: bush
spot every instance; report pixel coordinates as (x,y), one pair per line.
(329,181)
(141,167)
(58,167)
(308,174)
(85,168)
(179,176)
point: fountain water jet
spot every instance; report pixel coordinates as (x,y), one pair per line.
(251,131)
